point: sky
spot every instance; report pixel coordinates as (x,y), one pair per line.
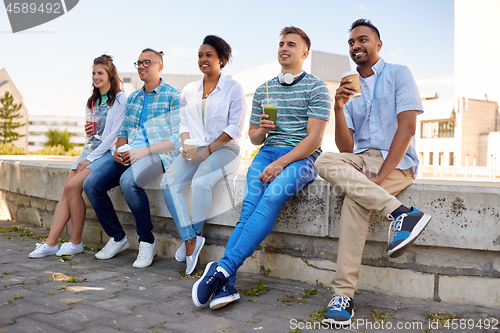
(51,64)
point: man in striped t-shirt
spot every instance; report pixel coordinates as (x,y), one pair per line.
(283,166)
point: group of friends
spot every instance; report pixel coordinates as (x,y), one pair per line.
(140,139)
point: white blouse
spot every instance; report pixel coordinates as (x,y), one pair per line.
(225,110)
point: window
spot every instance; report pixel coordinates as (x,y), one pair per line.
(126,80)
(431,158)
(72,123)
(36,123)
(35,133)
(31,143)
(451,158)
(437,129)
(440,157)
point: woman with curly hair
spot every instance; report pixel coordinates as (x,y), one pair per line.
(212,116)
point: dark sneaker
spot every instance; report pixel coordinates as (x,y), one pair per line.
(407,227)
(223,296)
(340,310)
(208,284)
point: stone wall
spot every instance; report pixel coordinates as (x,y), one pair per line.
(458,251)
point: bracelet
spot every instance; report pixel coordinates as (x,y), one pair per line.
(209,150)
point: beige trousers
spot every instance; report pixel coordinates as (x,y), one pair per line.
(344,172)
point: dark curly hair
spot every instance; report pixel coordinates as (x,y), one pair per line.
(114,81)
(366,23)
(221,47)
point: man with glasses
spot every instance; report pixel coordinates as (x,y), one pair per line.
(147,143)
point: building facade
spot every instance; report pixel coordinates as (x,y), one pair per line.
(6,85)
(477,69)
(40,125)
(453,132)
(464,131)
(132,82)
(327,66)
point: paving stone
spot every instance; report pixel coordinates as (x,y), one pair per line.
(27,324)
(116,297)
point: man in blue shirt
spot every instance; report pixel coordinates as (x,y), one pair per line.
(151,129)
(377,160)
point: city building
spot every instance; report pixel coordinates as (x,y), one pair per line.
(40,125)
(132,82)
(464,131)
(454,130)
(327,66)
(6,85)
(477,69)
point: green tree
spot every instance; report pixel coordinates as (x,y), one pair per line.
(8,114)
(59,138)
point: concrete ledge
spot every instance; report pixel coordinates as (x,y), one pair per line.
(462,242)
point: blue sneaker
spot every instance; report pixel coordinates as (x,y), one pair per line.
(340,310)
(223,296)
(208,284)
(408,226)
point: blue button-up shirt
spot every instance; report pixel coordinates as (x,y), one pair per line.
(162,118)
(374,120)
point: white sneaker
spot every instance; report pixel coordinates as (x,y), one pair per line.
(192,260)
(70,248)
(180,254)
(112,248)
(43,250)
(146,254)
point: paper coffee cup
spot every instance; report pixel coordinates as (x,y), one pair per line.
(354,77)
(191,146)
(123,149)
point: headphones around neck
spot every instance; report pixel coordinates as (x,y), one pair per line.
(287,78)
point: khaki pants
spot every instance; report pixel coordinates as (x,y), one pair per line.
(344,171)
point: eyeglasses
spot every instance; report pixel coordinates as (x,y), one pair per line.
(145,63)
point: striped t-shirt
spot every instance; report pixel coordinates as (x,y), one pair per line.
(307,97)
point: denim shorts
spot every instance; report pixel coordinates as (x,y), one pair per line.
(96,163)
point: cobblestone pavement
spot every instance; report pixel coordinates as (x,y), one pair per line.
(111,296)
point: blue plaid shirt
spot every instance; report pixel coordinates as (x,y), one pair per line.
(162,120)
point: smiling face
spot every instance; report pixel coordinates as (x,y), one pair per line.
(292,52)
(208,60)
(364,46)
(151,73)
(100,77)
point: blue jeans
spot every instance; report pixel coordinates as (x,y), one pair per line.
(204,176)
(131,179)
(261,204)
